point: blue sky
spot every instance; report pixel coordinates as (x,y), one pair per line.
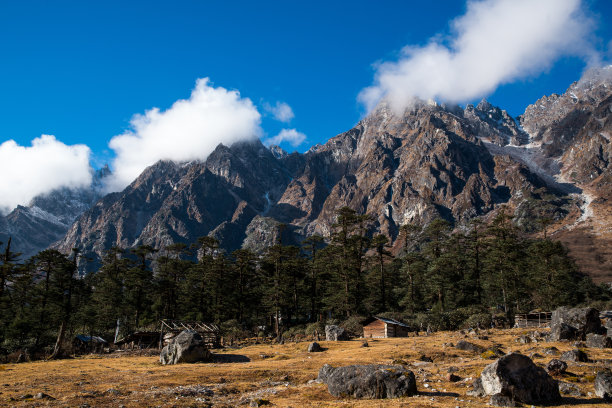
(80,70)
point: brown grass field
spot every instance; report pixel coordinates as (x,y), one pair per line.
(277,374)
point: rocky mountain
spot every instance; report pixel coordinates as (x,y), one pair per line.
(48,217)
(401,167)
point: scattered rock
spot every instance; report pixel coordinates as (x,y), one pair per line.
(314,347)
(112,391)
(365,344)
(516,376)
(426,359)
(368,381)
(524,339)
(467,346)
(452,369)
(556,367)
(42,395)
(551,351)
(603,385)
(574,324)
(477,389)
(258,402)
(598,341)
(575,355)
(500,400)
(335,333)
(452,377)
(569,389)
(187,347)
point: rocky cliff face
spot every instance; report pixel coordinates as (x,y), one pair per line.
(572,133)
(429,161)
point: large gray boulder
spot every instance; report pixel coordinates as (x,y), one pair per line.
(574,323)
(334,333)
(598,341)
(187,347)
(518,378)
(603,385)
(575,356)
(368,381)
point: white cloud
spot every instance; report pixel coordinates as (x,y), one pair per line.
(47,164)
(281,111)
(189,130)
(291,136)
(495,42)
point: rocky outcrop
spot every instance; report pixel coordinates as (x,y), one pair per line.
(516,377)
(368,381)
(187,347)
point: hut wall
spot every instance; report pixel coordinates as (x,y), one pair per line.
(376,329)
(401,331)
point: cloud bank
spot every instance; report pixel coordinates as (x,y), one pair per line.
(46,165)
(189,130)
(494,42)
(281,111)
(291,136)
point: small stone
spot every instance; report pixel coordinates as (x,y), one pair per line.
(42,395)
(452,378)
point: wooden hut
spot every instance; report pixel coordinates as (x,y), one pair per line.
(534,318)
(381,328)
(88,344)
(170,328)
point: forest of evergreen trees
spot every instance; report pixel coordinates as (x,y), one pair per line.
(440,278)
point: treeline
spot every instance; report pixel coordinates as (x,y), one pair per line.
(439,277)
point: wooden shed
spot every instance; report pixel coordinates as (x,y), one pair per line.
(382,327)
(534,318)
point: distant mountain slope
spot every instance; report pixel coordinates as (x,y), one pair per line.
(46,219)
(410,167)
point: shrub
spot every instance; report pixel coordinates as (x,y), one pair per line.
(353,326)
(318,327)
(481,320)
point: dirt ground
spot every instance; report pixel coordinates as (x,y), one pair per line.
(280,375)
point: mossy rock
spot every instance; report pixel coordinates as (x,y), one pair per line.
(489,355)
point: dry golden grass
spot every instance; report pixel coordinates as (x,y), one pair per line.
(277,373)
